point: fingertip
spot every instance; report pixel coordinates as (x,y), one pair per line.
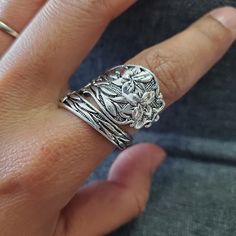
(139,159)
(148,149)
(154,152)
(226,16)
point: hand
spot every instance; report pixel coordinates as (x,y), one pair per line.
(46,152)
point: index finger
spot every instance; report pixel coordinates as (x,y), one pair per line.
(176,77)
(183,59)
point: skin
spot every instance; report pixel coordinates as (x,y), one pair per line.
(46,152)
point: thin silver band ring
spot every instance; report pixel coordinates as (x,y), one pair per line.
(7,29)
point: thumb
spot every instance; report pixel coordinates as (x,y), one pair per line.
(120,198)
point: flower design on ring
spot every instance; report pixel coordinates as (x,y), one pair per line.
(130,95)
(138,105)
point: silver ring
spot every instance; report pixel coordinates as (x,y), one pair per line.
(7,29)
(80,107)
(124,95)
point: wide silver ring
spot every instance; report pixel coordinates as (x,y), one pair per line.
(126,95)
(82,108)
(7,29)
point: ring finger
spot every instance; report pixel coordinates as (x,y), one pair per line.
(17,15)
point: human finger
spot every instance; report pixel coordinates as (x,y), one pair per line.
(66,37)
(17,14)
(184,64)
(182,60)
(74,149)
(125,193)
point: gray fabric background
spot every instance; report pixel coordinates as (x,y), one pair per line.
(194,193)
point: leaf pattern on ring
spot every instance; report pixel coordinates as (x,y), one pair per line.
(130,95)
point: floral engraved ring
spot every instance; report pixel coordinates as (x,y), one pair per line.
(128,95)
(124,95)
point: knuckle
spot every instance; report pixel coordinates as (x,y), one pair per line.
(213,32)
(19,182)
(90,9)
(169,68)
(139,201)
(13,170)
(136,201)
(210,37)
(32,172)
(10,185)
(23,181)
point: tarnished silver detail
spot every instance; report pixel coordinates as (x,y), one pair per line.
(128,95)
(79,106)
(124,95)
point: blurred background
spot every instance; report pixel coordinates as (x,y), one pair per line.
(194,193)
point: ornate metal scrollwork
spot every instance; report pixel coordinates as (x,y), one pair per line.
(128,95)
(91,115)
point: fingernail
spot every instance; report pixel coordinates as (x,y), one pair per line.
(226,16)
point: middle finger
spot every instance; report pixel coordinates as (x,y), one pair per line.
(55,43)
(17,14)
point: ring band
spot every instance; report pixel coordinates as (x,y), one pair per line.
(124,95)
(80,107)
(7,29)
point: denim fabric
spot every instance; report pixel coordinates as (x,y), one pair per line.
(189,197)
(194,193)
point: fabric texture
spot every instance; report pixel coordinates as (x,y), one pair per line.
(194,193)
